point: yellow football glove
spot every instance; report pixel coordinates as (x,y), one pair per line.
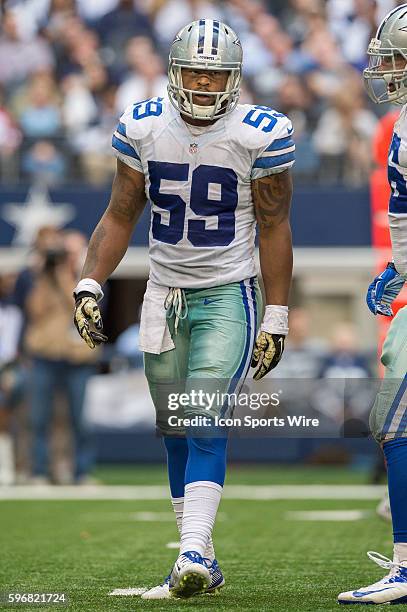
(268,350)
(88,320)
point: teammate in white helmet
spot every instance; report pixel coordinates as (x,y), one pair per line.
(386,80)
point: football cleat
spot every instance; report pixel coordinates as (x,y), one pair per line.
(392,589)
(162,591)
(217,578)
(190,575)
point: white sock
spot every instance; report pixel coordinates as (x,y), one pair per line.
(7,467)
(178,505)
(201,504)
(400,552)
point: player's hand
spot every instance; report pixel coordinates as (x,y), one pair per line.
(384,290)
(268,350)
(88,320)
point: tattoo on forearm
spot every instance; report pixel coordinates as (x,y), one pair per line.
(272,198)
(92,258)
(128,198)
(123,201)
(126,204)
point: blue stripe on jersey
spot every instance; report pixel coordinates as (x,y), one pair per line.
(398,198)
(238,374)
(121,128)
(215,37)
(248,331)
(395,147)
(403,423)
(395,405)
(201,38)
(254,303)
(124,148)
(281,143)
(398,205)
(274,161)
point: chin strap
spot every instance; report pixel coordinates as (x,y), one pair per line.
(201,112)
(196,111)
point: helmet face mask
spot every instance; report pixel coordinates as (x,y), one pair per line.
(385,80)
(386,75)
(205,45)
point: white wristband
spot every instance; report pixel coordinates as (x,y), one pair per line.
(89,284)
(275,320)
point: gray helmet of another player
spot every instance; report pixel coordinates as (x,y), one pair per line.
(386,76)
(210,45)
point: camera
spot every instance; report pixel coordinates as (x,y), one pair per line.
(54,257)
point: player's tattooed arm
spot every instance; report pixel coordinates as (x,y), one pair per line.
(272,200)
(111,237)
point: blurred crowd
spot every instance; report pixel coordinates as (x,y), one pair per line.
(68,68)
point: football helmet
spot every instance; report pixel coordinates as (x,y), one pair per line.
(386,74)
(210,45)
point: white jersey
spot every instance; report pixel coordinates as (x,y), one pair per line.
(198,182)
(397,173)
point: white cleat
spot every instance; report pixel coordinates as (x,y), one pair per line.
(162,591)
(392,589)
(190,575)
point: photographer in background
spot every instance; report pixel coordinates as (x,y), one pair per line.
(59,359)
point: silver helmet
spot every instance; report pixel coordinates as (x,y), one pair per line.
(211,45)
(386,75)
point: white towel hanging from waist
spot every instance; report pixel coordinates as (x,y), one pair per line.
(154,335)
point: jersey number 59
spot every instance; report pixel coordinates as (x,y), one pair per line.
(196,231)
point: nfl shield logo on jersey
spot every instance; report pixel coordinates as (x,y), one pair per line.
(193,147)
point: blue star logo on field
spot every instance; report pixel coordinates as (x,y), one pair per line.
(38,210)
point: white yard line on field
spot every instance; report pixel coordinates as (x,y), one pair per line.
(138,517)
(154,492)
(327,515)
(129,592)
(152,517)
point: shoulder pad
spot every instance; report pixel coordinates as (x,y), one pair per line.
(256,127)
(141,118)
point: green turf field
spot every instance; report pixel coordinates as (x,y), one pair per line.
(261,474)
(271,562)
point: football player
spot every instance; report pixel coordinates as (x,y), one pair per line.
(210,169)
(386,80)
